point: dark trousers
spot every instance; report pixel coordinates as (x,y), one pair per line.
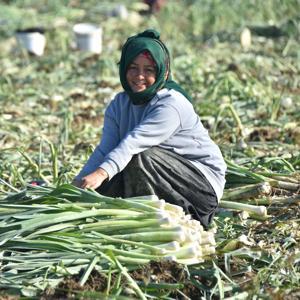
(171,177)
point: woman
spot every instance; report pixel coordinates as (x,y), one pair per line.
(153,142)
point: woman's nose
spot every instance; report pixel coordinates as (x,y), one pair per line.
(140,73)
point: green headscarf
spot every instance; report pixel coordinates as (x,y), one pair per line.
(148,41)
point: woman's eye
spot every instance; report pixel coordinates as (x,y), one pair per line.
(132,68)
(150,70)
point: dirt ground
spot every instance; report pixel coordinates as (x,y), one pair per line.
(154,272)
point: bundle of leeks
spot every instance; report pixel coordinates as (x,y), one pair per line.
(48,233)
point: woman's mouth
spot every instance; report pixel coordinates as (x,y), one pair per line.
(139,85)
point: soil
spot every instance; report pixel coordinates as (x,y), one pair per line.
(154,272)
(264,134)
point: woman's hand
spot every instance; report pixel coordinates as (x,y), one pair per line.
(94,180)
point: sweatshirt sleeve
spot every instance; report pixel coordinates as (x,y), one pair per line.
(156,127)
(109,140)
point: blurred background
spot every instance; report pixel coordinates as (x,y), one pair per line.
(239,60)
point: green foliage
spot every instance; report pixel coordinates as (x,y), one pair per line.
(52,109)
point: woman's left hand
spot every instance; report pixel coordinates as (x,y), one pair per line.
(94,180)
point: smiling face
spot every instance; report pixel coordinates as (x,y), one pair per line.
(141,73)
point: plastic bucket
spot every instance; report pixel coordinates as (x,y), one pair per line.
(88,37)
(32,39)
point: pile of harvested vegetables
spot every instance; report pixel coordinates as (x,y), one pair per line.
(49,233)
(239,60)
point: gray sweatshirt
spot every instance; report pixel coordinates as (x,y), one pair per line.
(168,121)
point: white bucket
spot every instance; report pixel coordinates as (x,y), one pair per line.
(33,41)
(88,37)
